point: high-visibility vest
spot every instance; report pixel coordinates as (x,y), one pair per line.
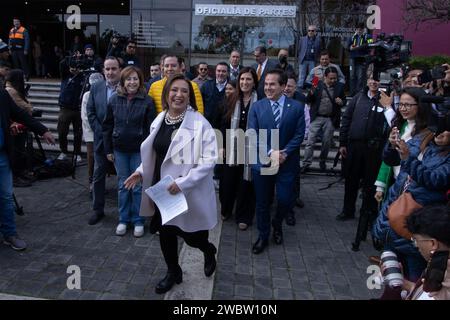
(17,38)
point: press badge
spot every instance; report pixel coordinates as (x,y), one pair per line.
(379,109)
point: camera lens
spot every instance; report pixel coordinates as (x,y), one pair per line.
(392,274)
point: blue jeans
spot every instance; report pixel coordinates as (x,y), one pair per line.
(129,200)
(7,214)
(303,70)
(358,76)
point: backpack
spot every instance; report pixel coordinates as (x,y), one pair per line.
(56,169)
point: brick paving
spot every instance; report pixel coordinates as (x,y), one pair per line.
(315,261)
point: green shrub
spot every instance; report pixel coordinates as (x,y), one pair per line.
(428,62)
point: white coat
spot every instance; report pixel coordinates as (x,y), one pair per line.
(194,140)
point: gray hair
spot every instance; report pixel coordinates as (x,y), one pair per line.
(95,77)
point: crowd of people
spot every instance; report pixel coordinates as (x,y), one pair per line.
(261,115)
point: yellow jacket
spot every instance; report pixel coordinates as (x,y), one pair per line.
(156,90)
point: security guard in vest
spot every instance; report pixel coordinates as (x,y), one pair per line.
(19,45)
(358,52)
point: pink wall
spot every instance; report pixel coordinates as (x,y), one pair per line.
(429,39)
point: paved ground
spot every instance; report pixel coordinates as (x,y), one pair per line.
(315,261)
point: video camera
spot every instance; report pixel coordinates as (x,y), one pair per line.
(391,80)
(388,52)
(81,62)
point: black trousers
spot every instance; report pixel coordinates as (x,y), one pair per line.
(20,62)
(169,243)
(19,163)
(66,117)
(234,189)
(361,169)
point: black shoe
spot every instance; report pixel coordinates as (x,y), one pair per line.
(169,280)
(323,166)
(259,246)
(305,168)
(290,219)
(299,203)
(21,183)
(95,218)
(278,236)
(344,217)
(210,261)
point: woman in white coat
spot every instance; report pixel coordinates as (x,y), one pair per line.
(189,158)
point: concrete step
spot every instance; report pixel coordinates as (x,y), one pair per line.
(47,84)
(43,95)
(43,102)
(47,109)
(37,87)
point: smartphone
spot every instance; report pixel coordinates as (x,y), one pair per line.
(435,272)
(315,81)
(436,73)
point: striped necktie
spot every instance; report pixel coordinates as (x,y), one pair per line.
(276,113)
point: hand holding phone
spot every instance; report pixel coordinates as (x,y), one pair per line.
(435,271)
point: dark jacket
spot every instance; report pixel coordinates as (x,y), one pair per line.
(302,45)
(127,122)
(10,111)
(270,65)
(315,99)
(129,60)
(70,96)
(362,121)
(114,51)
(430,182)
(300,97)
(212,99)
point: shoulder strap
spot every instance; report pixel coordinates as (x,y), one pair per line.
(329,95)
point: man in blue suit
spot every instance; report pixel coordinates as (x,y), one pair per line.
(277,165)
(101,92)
(308,54)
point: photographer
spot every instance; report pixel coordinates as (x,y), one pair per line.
(70,112)
(115,48)
(88,61)
(10,111)
(362,137)
(15,85)
(91,60)
(129,56)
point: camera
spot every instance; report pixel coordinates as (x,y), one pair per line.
(392,81)
(439,119)
(392,274)
(436,73)
(388,52)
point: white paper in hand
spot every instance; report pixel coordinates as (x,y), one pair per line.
(170,205)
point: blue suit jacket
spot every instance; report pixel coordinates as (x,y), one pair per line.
(291,134)
(96,111)
(302,46)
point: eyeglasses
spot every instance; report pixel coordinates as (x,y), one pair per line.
(203,69)
(311,30)
(414,241)
(407,106)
